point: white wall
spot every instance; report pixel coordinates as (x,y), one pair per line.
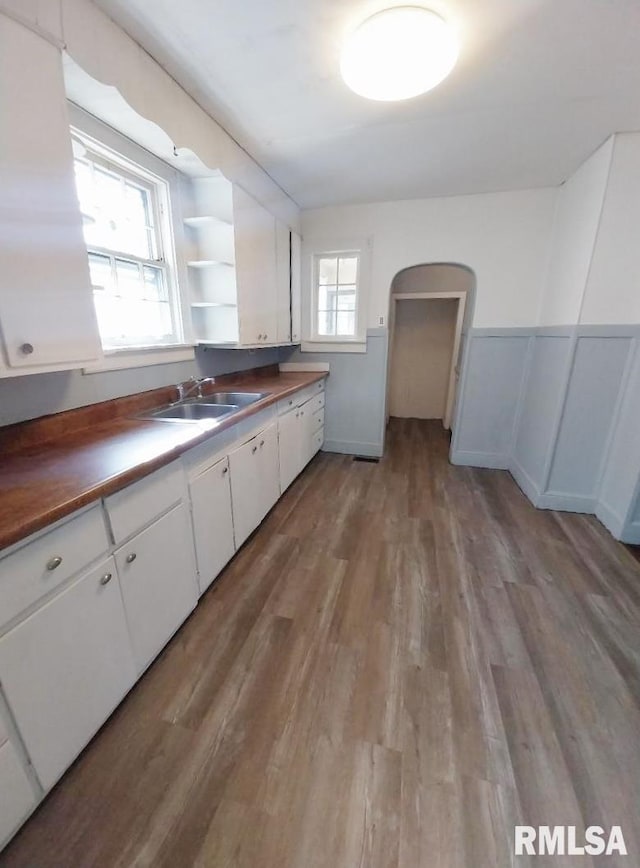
(578,210)
(503,237)
(613,288)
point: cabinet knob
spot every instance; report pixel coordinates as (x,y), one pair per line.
(261,443)
(104,580)
(26,349)
(54,563)
(266,336)
(302,412)
(225,470)
(259,337)
(131,557)
(254,450)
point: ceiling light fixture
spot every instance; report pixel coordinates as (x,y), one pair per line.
(399,53)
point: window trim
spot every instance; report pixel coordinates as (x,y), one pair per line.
(123,152)
(312,341)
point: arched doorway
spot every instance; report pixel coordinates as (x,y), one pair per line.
(429,305)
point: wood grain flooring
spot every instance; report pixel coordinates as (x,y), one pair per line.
(405,661)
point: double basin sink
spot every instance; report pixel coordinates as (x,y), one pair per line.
(212,407)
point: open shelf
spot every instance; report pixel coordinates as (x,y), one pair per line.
(206,219)
(213,304)
(208,263)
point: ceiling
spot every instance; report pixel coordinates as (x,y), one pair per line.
(538,86)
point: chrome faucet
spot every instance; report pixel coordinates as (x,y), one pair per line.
(192,384)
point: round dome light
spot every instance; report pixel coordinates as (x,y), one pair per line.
(399,53)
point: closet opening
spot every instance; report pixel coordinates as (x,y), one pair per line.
(428,309)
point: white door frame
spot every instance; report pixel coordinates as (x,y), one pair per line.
(453,372)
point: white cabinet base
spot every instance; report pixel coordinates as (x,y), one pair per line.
(17,798)
(65,668)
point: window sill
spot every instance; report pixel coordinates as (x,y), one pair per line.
(140,357)
(334,346)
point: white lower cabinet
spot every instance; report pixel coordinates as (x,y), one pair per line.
(65,668)
(300,436)
(212,521)
(254,481)
(290,446)
(158,580)
(16,794)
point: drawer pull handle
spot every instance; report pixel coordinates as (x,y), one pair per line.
(54,563)
(131,557)
(225,470)
(254,450)
(104,580)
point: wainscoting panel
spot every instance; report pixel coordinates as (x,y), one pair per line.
(491,385)
(355,396)
(596,378)
(541,401)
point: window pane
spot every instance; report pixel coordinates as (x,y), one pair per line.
(348,270)
(328,270)
(327,297)
(154,283)
(129,279)
(345,324)
(326,322)
(347,301)
(100,271)
(133,301)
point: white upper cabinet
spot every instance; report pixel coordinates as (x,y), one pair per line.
(296,287)
(255,235)
(47,316)
(283,275)
(239,266)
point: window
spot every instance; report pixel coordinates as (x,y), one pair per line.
(336,278)
(129,242)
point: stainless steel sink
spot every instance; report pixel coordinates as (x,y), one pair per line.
(193,411)
(240,399)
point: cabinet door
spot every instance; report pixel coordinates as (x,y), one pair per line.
(157,574)
(16,796)
(289,447)
(212,521)
(255,248)
(65,668)
(269,475)
(283,266)
(46,303)
(244,466)
(296,287)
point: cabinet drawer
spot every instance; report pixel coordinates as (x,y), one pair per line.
(316,421)
(139,504)
(301,397)
(314,404)
(16,795)
(287,404)
(49,560)
(316,441)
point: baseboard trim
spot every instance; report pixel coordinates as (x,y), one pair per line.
(491,460)
(613,522)
(348,447)
(524,482)
(567,502)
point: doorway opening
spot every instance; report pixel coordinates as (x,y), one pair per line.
(428,309)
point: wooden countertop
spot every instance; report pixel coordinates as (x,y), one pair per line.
(53,466)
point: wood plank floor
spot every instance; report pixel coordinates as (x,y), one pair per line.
(405,661)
